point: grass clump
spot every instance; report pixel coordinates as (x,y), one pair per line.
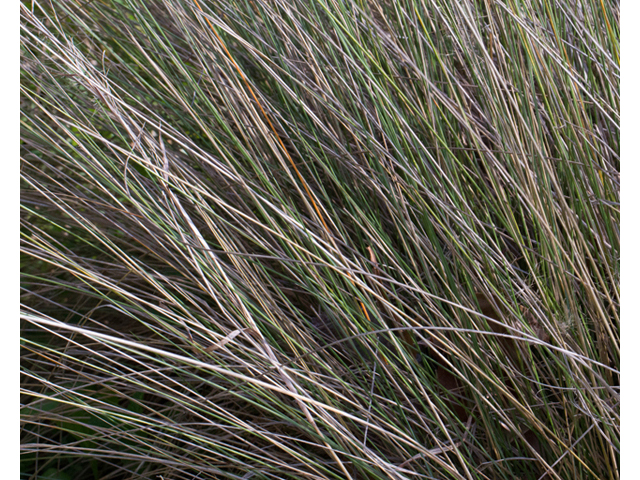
(314,239)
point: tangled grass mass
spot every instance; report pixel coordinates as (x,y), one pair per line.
(320,239)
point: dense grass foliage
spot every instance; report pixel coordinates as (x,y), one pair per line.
(320,239)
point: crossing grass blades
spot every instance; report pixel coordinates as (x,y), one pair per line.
(312,239)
